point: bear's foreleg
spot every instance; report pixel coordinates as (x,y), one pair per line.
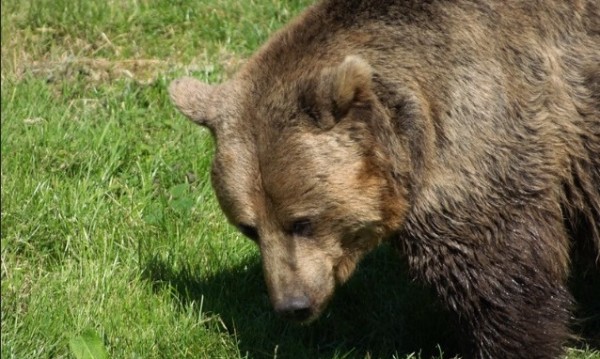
(504,278)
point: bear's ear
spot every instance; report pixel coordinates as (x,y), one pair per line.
(195,100)
(352,84)
(344,87)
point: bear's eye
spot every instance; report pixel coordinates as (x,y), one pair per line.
(249,231)
(302,228)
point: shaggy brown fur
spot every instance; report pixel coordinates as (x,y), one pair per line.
(467,132)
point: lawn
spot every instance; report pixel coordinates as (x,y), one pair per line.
(110,230)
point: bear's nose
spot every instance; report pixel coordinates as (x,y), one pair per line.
(296,308)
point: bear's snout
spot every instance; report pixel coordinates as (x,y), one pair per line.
(296,308)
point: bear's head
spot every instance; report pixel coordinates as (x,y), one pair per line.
(302,168)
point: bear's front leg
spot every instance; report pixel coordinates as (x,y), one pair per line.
(504,278)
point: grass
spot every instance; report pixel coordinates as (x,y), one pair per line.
(109,223)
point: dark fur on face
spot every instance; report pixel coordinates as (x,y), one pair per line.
(466,132)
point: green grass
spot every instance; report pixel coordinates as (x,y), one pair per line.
(109,222)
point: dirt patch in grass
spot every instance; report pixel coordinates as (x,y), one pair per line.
(98,69)
(69,59)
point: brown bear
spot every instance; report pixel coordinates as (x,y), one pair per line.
(466,132)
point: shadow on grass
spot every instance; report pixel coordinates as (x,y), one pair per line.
(378,313)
